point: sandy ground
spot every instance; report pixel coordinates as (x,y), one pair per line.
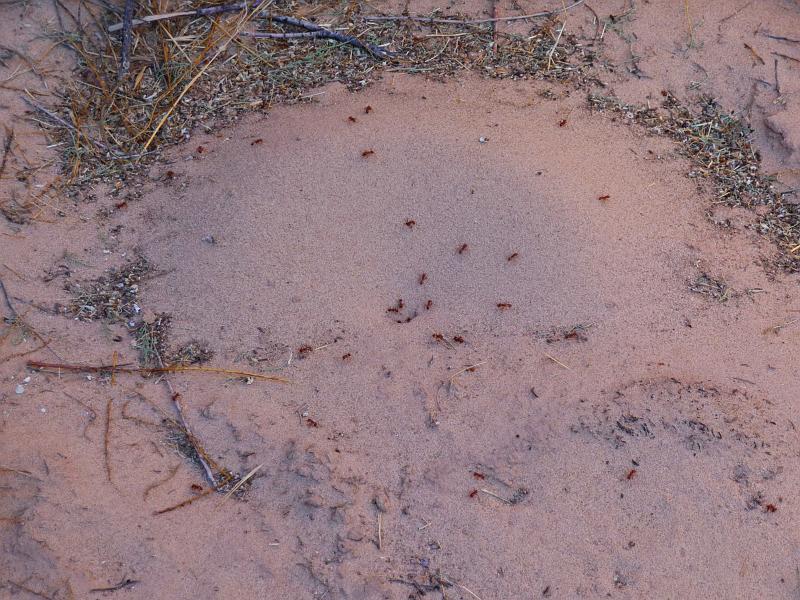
(608,433)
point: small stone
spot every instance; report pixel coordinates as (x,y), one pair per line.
(209,239)
(20,389)
(483,140)
(381,501)
(27,380)
(313,500)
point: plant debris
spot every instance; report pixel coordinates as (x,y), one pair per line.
(712,287)
(113,296)
(193,352)
(197,63)
(151,339)
(720,148)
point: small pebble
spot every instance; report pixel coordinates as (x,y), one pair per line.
(20,389)
(483,140)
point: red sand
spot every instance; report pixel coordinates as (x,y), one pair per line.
(647,456)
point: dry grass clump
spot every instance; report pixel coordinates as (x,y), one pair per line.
(203,62)
(721,150)
(152,340)
(113,296)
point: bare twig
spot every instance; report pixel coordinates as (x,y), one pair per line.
(160,482)
(186,502)
(380,531)
(736,12)
(6,150)
(200,12)
(125,583)
(786,56)
(55,118)
(689,27)
(240,483)
(463,587)
(493,495)
(539,15)
(127,35)
(782,38)
(318,32)
(555,45)
(35,364)
(469,368)
(106,436)
(25,588)
(176,400)
(326,33)
(555,360)
(14,314)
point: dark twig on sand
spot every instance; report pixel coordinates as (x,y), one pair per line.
(6,150)
(176,400)
(318,32)
(781,38)
(35,364)
(125,583)
(7,300)
(433,21)
(292,35)
(127,36)
(422,588)
(106,436)
(188,501)
(59,121)
(31,591)
(200,12)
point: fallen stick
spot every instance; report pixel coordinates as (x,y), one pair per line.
(186,502)
(125,583)
(323,32)
(6,150)
(200,12)
(56,119)
(106,436)
(35,364)
(10,306)
(431,20)
(176,400)
(127,34)
(317,33)
(240,483)
(782,38)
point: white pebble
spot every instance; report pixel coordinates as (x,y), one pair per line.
(20,389)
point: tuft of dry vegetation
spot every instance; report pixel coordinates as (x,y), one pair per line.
(113,296)
(713,287)
(193,352)
(151,340)
(200,62)
(720,149)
